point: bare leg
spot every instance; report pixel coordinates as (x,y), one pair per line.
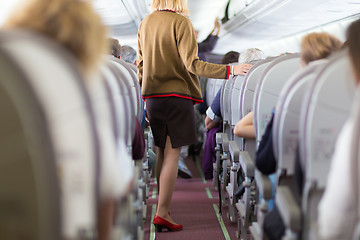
(159,163)
(167,179)
(106,213)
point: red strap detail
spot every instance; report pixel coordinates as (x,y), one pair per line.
(228,72)
(174,95)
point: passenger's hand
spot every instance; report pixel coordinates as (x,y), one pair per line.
(217,24)
(242,69)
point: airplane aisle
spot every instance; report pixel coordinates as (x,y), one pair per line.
(195,205)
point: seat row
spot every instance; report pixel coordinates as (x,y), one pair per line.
(65,144)
(310,106)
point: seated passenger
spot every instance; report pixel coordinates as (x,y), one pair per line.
(213,113)
(115,47)
(128,54)
(337,209)
(314,46)
(213,117)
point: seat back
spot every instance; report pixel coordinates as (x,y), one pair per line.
(235,101)
(128,92)
(210,90)
(251,80)
(226,98)
(286,120)
(355,159)
(325,108)
(268,90)
(246,100)
(118,102)
(62,126)
(27,159)
(135,86)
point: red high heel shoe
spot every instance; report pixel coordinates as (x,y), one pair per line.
(161,223)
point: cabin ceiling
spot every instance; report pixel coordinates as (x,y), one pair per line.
(252,23)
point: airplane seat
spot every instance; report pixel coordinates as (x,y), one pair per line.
(51,152)
(28,168)
(235,114)
(235,146)
(285,141)
(130,210)
(222,140)
(274,73)
(133,72)
(354,158)
(225,103)
(247,97)
(128,93)
(286,120)
(118,104)
(210,90)
(227,106)
(246,156)
(268,89)
(324,111)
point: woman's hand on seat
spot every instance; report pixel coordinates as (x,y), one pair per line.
(242,69)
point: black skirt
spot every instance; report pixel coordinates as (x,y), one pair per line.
(173,117)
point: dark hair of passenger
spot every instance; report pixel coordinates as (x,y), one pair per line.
(353,42)
(230,57)
(315,46)
(115,47)
(73,24)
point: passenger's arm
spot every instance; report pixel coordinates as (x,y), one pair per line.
(210,124)
(139,60)
(209,43)
(245,127)
(188,51)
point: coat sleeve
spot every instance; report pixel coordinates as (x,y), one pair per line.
(139,58)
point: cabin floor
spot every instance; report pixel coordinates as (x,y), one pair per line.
(195,205)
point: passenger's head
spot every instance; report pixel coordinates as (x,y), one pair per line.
(179,6)
(315,46)
(250,55)
(74,24)
(128,54)
(230,57)
(115,47)
(353,42)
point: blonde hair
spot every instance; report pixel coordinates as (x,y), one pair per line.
(72,23)
(179,6)
(315,46)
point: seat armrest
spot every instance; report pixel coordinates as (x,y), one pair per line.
(288,208)
(234,151)
(264,184)
(247,164)
(222,138)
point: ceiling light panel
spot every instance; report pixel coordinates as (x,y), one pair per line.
(112,12)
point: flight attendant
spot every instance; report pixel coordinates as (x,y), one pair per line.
(168,66)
